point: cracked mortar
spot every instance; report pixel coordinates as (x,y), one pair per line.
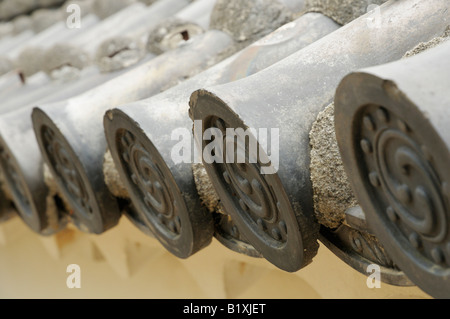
(64,61)
(248,21)
(6,65)
(119,53)
(332,191)
(168,35)
(106,8)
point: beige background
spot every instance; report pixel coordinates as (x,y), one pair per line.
(124,263)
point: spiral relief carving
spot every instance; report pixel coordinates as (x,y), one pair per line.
(147,176)
(252,193)
(402,171)
(65,168)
